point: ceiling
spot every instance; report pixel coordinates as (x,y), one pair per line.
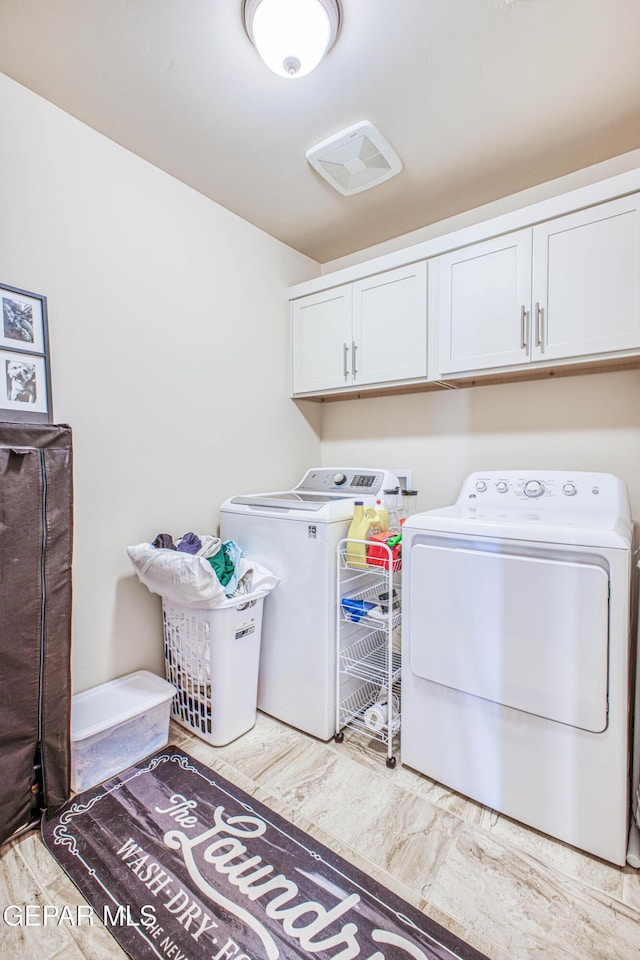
(480,99)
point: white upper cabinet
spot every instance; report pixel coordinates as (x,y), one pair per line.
(569,287)
(586,282)
(390,325)
(369,332)
(480,297)
(321,334)
(555,284)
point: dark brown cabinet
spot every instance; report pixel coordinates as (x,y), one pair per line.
(36,524)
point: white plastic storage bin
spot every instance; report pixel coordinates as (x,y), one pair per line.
(212,657)
(116,724)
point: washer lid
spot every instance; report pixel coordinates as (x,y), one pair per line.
(326,493)
(289,500)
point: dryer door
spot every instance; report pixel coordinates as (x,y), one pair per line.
(528,632)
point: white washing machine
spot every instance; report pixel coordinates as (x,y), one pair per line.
(516,651)
(295,534)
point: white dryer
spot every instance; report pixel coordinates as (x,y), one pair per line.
(516,651)
(295,534)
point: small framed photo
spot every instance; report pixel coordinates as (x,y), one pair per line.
(23,320)
(25,383)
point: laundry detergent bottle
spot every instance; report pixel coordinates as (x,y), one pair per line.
(365,521)
(383,515)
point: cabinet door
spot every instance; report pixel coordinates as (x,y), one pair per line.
(390,325)
(321,340)
(586,281)
(481,304)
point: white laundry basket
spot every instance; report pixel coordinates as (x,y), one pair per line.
(212,657)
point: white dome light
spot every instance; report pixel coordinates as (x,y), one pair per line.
(292,36)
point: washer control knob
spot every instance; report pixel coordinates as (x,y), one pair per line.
(339,479)
(533,489)
(481,486)
(569,489)
(502,486)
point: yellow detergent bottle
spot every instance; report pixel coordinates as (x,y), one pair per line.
(383,516)
(365,521)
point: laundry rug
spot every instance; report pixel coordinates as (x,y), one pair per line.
(181,864)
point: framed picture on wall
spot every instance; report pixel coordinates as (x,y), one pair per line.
(25,380)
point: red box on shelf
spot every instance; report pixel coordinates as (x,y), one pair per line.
(377,554)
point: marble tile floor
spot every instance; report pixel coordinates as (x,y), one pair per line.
(511,892)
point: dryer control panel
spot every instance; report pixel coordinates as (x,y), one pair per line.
(547,489)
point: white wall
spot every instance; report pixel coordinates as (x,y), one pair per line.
(170,354)
(588,422)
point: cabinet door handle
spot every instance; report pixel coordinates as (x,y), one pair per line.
(345,368)
(524,316)
(354,370)
(539,321)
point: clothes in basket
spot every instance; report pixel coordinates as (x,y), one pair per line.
(192,579)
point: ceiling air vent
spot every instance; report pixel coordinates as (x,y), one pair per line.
(355,159)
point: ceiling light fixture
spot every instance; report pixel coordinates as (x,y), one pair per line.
(291,36)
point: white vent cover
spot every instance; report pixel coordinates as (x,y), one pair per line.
(355,159)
